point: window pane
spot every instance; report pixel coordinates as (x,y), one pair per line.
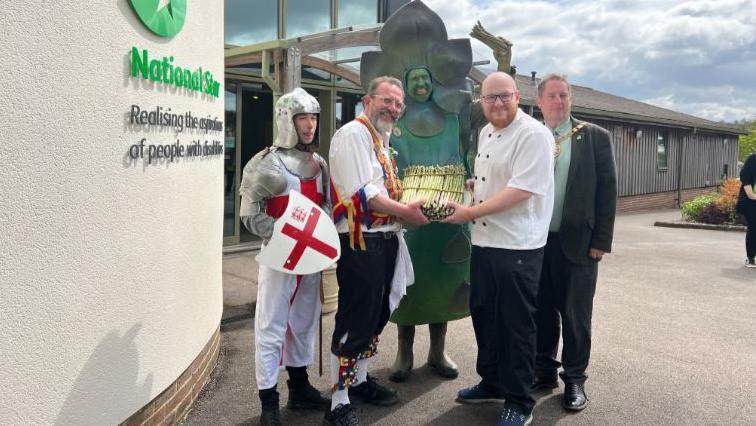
(348,53)
(661,151)
(312,73)
(391,6)
(357,12)
(348,106)
(249,22)
(342,82)
(307,17)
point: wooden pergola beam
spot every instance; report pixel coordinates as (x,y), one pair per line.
(286,54)
(477,75)
(243,51)
(250,58)
(331,41)
(332,68)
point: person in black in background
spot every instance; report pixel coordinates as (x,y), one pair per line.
(747,207)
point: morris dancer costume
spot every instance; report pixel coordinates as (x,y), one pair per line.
(287,305)
(362,230)
(374,268)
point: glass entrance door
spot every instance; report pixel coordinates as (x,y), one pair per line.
(256,132)
(249,129)
(230,180)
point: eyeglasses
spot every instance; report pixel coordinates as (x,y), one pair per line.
(388,101)
(503,97)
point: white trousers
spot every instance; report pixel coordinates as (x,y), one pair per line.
(286,318)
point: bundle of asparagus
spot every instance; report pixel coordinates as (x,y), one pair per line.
(437,185)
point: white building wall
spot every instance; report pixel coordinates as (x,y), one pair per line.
(110,269)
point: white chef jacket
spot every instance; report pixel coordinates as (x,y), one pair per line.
(518,156)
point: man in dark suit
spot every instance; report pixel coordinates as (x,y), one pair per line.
(580,233)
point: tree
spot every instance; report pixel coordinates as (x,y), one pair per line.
(747,143)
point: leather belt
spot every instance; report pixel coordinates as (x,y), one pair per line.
(376,235)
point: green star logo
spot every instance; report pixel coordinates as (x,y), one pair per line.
(163,17)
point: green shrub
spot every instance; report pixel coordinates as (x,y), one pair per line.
(691,210)
(714,214)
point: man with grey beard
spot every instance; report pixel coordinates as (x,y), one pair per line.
(375,266)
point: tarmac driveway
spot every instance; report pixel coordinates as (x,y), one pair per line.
(674,343)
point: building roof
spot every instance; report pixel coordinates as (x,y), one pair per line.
(590,102)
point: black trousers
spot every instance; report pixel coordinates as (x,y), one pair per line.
(750,240)
(364,279)
(566,292)
(503,290)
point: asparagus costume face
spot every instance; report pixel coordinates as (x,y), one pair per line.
(432,132)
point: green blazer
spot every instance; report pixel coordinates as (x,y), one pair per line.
(590,200)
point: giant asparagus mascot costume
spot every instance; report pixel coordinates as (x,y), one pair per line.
(415,49)
(432,142)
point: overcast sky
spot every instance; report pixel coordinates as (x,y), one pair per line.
(696,57)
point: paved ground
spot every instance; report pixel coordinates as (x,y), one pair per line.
(239,279)
(674,343)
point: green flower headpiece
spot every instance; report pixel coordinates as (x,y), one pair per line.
(415,37)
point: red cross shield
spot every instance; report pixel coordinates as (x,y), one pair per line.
(304,239)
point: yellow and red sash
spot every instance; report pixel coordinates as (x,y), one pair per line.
(355,208)
(388,165)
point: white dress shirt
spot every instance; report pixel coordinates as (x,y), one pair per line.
(354,166)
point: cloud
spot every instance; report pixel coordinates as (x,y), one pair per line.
(644,50)
(715,111)
(246,23)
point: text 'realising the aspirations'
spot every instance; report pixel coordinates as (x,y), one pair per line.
(160,116)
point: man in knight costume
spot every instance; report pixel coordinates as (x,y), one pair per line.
(433,131)
(288,305)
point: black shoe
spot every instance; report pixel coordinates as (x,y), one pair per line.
(543,383)
(477,395)
(513,417)
(574,398)
(374,393)
(270,417)
(342,415)
(306,397)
